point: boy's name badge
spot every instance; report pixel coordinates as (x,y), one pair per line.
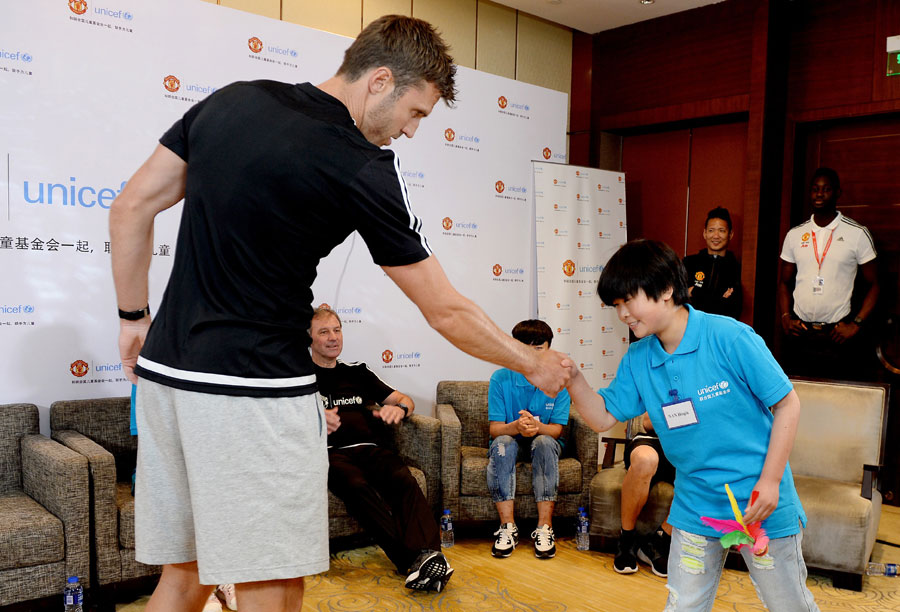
(680,413)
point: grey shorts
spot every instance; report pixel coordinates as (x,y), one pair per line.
(238,484)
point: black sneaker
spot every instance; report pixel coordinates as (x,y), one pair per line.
(429,572)
(625,561)
(544,542)
(654,551)
(507,539)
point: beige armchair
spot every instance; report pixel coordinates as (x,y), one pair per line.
(44,533)
(837,453)
(606,496)
(98,429)
(417,440)
(462,408)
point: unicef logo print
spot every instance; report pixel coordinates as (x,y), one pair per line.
(294,53)
(128,16)
(723,384)
(28,308)
(26,57)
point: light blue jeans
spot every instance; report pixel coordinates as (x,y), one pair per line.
(695,567)
(501,470)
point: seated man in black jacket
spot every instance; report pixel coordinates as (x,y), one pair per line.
(714,274)
(370,478)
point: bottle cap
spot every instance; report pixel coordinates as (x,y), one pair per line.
(72,579)
(447,511)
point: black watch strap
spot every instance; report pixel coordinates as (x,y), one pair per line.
(135,315)
(405,409)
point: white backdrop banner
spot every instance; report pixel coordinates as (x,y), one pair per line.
(580,221)
(88,88)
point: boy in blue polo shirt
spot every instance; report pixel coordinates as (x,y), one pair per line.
(725,414)
(525,423)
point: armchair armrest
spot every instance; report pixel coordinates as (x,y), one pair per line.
(587,451)
(417,440)
(609,456)
(451,437)
(57,478)
(870,473)
(102,472)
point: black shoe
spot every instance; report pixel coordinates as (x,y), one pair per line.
(625,561)
(429,572)
(654,551)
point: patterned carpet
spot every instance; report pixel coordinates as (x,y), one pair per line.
(364,580)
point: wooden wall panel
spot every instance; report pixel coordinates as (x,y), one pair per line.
(831,54)
(691,56)
(456,21)
(266,8)
(338,16)
(373,9)
(495,46)
(656,186)
(544,53)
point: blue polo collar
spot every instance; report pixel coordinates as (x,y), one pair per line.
(690,342)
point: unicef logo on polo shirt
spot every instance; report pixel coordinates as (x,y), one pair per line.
(714,390)
(348,401)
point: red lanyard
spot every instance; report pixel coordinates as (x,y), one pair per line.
(824,253)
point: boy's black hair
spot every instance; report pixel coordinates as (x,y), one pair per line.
(647,265)
(533,332)
(828,173)
(719,212)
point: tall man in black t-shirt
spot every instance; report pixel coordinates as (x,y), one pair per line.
(370,478)
(273,177)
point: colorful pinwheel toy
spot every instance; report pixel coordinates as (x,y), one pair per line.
(738,534)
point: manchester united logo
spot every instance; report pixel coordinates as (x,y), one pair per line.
(555,231)
(447,223)
(558,304)
(255,44)
(499,186)
(497,270)
(581,341)
(171,83)
(501,102)
(805,237)
(599,187)
(547,153)
(79,368)
(387,356)
(577,196)
(599,211)
(555,181)
(449,134)
(699,275)
(581,318)
(78,7)
(568,267)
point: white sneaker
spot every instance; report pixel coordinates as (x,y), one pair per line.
(225,592)
(212,604)
(544,542)
(507,538)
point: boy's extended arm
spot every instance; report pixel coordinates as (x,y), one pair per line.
(784,429)
(590,405)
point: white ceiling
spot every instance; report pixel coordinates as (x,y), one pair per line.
(592,16)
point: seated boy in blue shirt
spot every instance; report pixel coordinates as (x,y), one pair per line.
(725,413)
(525,423)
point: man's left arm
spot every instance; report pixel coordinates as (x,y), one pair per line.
(845,330)
(781,441)
(391,412)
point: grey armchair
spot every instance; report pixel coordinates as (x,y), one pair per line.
(98,429)
(44,533)
(462,408)
(417,440)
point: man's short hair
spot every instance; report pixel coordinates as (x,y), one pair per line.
(410,47)
(828,173)
(533,331)
(719,212)
(647,265)
(323,311)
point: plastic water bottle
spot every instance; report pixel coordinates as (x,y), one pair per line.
(881,569)
(447,539)
(73,595)
(582,533)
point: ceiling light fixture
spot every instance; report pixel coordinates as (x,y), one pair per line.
(645,2)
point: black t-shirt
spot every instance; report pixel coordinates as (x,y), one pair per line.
(277,176)
(354,390)
(711,276)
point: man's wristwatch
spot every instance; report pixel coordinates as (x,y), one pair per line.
(858,321)
(405,409)
(135,315)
